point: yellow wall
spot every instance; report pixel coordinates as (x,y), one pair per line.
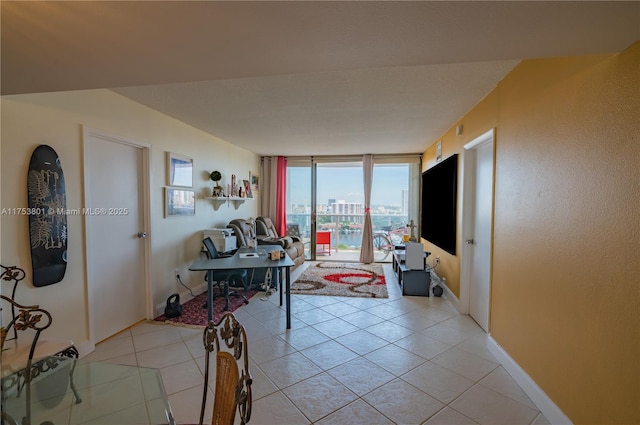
(56,119)
(565,299)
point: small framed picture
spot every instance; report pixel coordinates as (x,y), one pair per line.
(179,170)
(179,202)
(254,181)
(247,188)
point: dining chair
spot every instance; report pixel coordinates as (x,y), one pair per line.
(228,340)
(48,346)
(21,340)
(26,357)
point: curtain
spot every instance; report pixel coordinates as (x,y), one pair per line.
(366,252)
(269,187)
(274,195)
(281,197)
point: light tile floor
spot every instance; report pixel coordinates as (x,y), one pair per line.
(400,360)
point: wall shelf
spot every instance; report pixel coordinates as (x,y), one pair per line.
(237,201)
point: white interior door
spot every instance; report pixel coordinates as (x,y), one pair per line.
(115,218)
(479,238)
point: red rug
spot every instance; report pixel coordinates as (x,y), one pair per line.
(194,315)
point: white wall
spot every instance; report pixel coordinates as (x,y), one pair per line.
(56,119)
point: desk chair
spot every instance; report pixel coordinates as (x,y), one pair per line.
(226,276)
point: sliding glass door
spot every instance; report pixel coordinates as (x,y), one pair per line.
(325,204)
(339,210)
(300,199)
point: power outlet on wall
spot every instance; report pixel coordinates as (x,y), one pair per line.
(437,260)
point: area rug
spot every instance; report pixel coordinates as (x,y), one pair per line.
(194,315)
(342,280)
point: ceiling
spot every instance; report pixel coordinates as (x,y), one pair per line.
(301,77)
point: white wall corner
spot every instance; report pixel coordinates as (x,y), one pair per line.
(548,408)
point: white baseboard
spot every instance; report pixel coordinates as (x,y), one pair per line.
(455,302)
(548,408)
(435,280)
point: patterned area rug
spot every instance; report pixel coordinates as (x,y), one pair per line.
(342,280)
(194,315)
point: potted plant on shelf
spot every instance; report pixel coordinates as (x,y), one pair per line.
(217,189)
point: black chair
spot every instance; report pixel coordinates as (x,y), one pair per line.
(224,277)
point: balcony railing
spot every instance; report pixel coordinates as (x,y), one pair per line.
(346,229)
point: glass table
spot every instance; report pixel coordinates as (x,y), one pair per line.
(108,394)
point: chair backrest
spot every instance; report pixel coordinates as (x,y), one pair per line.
(264,226)
(12,274)
(212,252)
(29,317)
(224,399)
(233,380)
(293,229)
(244,231)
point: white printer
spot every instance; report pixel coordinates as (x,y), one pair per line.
(223,239)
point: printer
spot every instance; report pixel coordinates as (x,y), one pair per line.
(223,239)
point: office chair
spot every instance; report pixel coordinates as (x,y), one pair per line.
(226,276)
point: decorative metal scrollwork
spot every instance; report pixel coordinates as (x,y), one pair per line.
(232,333)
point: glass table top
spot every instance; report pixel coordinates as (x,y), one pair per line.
(109,394)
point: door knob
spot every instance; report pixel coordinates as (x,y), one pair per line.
(142,235)
(470,242)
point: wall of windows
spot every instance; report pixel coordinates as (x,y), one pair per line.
(326,194)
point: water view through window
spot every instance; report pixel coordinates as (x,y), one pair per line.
(339,203)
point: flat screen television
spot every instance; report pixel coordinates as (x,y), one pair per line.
(439,203)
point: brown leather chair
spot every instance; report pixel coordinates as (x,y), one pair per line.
(245,232)
(266,234)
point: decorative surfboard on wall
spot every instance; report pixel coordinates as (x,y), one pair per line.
(47,216)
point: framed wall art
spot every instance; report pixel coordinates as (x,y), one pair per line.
(179,170)
(179,202)
(254,180)
(247,188)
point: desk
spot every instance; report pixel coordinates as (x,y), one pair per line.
(109,393)
(235,262)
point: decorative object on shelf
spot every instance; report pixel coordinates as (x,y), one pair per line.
(233,185)
(247,189)
(179,202)
(412,226)
(179,170)
(218,190)
(254,181)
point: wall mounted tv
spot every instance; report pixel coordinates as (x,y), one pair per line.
(439,202)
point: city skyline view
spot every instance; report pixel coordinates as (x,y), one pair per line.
(345,183)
